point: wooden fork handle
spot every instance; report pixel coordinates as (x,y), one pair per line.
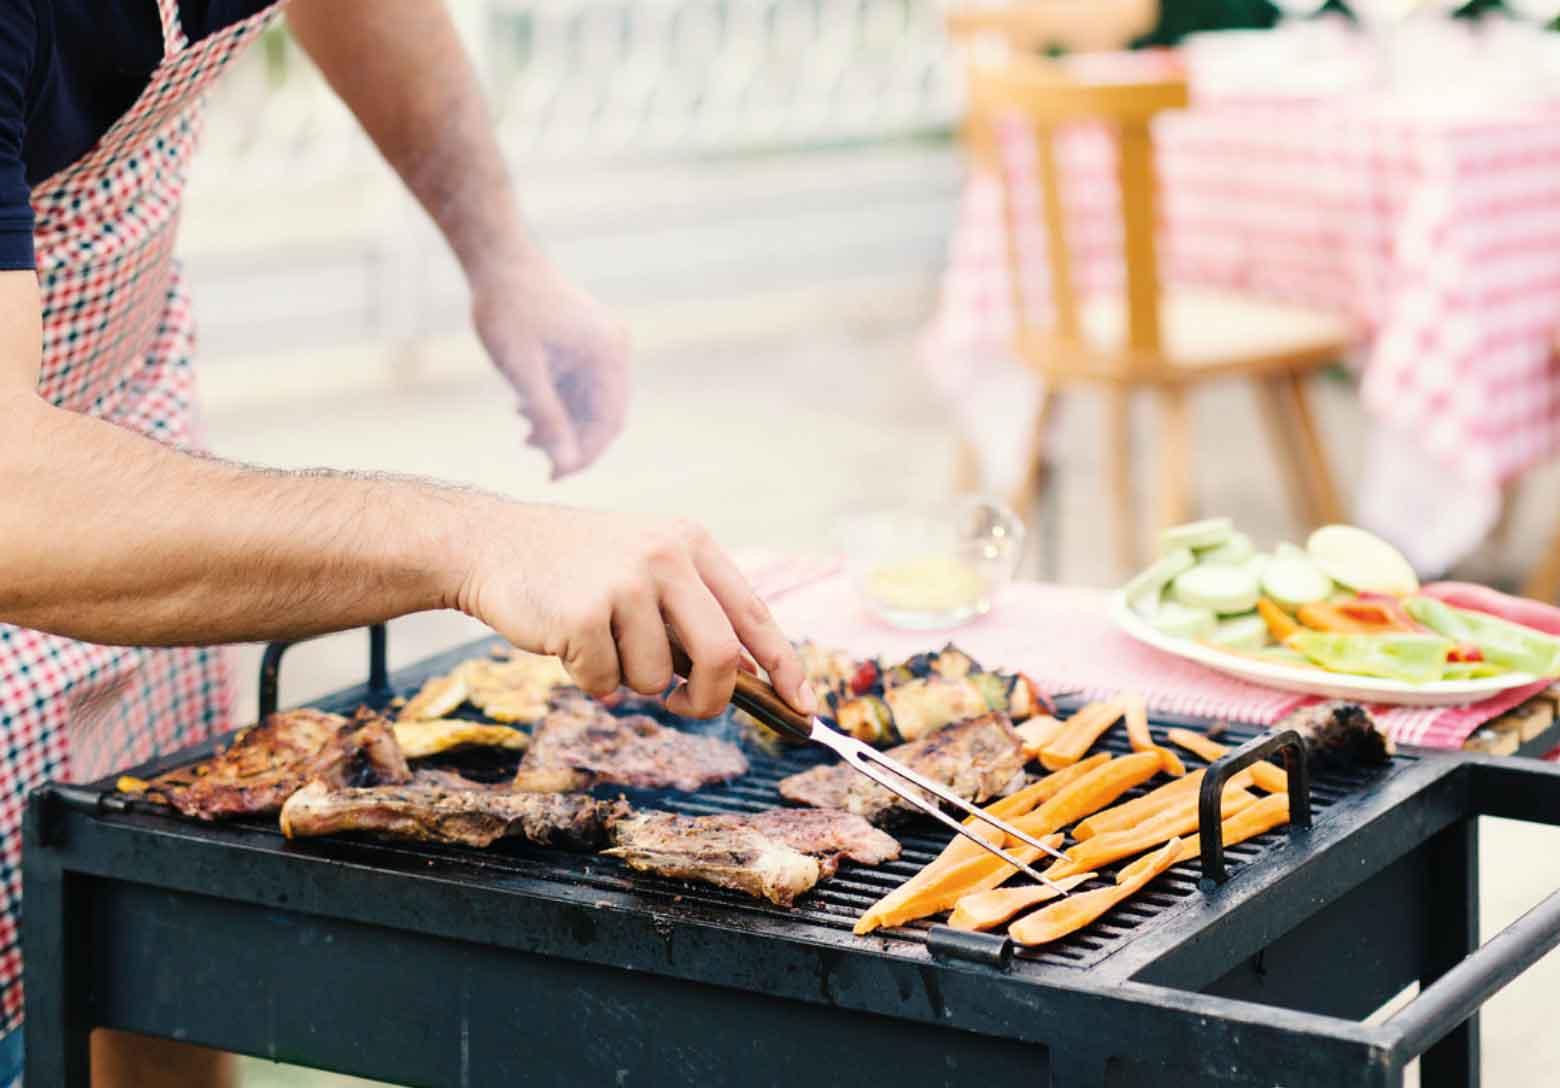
(753,695)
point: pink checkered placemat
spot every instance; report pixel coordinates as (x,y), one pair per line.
(1063,638)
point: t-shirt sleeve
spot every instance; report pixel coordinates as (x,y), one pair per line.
(18,52)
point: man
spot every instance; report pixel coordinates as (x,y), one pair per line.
(115,532)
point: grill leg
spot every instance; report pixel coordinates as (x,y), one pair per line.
(57,1036)
(1076,1068)
(1453,905)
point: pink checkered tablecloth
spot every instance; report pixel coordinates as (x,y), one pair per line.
(1063,638)
(1435,228)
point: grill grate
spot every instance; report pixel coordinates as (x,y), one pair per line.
(835,903)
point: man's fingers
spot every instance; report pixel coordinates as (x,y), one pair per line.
(552,428)
(706,634)
(643,654)
(756,628)
(592,659)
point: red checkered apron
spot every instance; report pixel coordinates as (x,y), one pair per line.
(118,340)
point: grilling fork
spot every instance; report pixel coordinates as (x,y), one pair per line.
(759,699)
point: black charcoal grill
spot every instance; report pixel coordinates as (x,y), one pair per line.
(426,965)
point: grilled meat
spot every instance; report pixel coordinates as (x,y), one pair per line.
(420,739)
(434,808)
(775,855)
(977,759)
(516,687)
(1339,733)
(270,761)
(580,744)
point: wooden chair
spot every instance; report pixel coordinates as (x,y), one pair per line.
(1156,339)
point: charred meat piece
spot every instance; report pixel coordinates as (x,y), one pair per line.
(436,809)
(422,738)
(270,761)
(1339,733)
(776,855)
(512,686)
(977,759)
(580,744)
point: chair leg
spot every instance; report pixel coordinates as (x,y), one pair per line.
(967,473)
(1175,457)
(1326,507)
(1275,418)
(1118,462)
(1544,583)
(1036,456)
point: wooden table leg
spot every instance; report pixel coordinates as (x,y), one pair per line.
(1118,462)
(1326,506)
(1175,458)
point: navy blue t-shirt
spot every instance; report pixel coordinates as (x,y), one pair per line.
(68,70)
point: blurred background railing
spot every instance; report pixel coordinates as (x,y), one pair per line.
(829,121)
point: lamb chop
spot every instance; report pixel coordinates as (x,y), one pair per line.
(977,759)
(270,761)
(443,807)
(775,855)
(1339,733)
(580,744)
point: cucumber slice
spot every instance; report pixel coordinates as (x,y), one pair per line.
(1237,551)
(1362,561)
(1293,580)
(1287,550)
(1183,621)
(1196,534)
(1257,564)
(1219,587)
(1142,593)
(1247,632)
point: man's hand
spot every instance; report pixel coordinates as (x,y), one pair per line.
(564,354)
(599,590)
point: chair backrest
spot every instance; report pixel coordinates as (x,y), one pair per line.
(1045,98)
(1074,25)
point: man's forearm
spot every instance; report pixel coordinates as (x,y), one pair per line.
(110,537)
(401,68)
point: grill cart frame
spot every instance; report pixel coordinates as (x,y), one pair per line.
(442,966)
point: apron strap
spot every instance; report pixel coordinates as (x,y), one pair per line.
(172,27)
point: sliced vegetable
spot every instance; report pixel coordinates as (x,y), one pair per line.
(1145,588)
(1197,534)
(1094,791)
(1529,613)
(1151,804)
(1237,550)
(1135,711)
(1248,823)
(1222,588)
(1279,623)
(1361,560)
(1293,580)
(1258,564)
(1269,777)
(1040,791)
(1037,732)
(1501,642)
(1248,632)
(1413,659)
(1101,850)
(1179,621)
(1076,911)
(1079,734)
(937,888)
(988,910)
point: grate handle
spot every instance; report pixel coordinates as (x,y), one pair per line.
(1210,799)
(271,667)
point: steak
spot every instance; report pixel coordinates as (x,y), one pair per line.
(775,855)
(437,808)
(579,744)
(977,759)
(270,761)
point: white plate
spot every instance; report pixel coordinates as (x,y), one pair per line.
(1335,685)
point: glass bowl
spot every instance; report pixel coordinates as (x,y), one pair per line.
(933,568)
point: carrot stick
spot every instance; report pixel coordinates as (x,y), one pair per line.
(1095,790)
(1041,790)
(1079,733)
(1131,813)
(1279,623)
(989,909)
(1268,777)
(1102,850)
(1270,812)
(1038,732)
(936,889)
(1076,911)
(1135,709)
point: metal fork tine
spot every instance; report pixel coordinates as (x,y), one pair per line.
(938,814)
(860,755)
